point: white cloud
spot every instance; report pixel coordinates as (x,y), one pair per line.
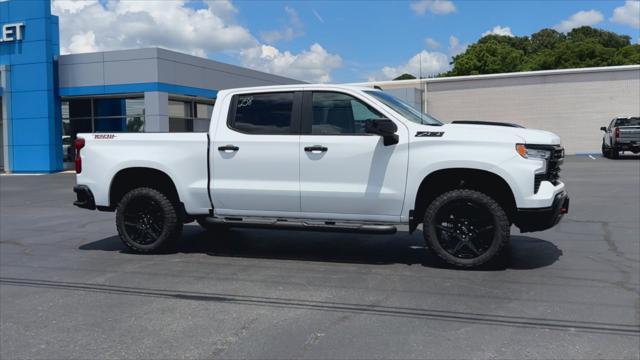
(431,43)
(133,24)
(629,14)
(314,65)
(498,30)
(581,18)
(93,25)
(455,47)
(73,6)
(438,7)
(84,42)
(293,29)
(432,63)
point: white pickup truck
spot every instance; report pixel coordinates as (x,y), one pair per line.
(327,158)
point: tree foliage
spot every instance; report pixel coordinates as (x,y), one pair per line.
(405,76)
(545,50)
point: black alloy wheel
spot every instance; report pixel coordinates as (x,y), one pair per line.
(143,220)
(466,228)
(147,220)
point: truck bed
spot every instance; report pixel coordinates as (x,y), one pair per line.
(182,156)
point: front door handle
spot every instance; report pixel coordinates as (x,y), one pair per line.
(315,148)
(228,148)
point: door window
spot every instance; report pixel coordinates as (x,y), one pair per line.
(269,113)
(340,114)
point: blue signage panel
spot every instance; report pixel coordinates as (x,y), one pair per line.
(29,45)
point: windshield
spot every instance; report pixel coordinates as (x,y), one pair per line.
(405,110)
(634,121)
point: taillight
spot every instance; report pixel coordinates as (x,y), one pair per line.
(617,132)
(79,144)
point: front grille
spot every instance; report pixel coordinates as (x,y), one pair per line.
(552,173)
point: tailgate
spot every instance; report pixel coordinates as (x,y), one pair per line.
(629,134)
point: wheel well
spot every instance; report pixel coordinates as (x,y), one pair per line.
(442,181)
(128,179)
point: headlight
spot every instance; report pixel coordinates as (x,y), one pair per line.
(532,153)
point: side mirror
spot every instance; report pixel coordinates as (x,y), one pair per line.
(603,128)
(383,127)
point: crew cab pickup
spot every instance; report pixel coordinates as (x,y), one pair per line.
(622,134)
(327,158)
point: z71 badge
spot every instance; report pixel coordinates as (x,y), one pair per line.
(429,133)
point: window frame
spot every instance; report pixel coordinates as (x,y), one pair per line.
(294,121)
(307,112)
(93,118)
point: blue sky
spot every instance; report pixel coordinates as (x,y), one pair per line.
(336,41)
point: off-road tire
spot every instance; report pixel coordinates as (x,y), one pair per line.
(500,222)
(613,153)
(171,226)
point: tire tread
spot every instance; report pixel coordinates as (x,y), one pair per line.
(171,219)
(497,210)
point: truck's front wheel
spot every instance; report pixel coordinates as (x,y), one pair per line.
(466,228)
(147,220)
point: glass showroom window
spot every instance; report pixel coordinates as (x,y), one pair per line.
(189,116)
(118,115)
(105,114)
(180,116)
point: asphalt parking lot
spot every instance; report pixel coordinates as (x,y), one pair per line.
(69,289)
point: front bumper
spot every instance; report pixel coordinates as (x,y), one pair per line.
(538,219)
(84,196)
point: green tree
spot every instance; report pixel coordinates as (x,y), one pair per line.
(405,76)
(488,57)
(605,38)
(546,39)
(544,50)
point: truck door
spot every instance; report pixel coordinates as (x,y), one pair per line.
(346,173)
(254,156)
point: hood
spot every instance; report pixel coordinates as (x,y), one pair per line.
(504,133)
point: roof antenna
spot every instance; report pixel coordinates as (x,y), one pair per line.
(421,92)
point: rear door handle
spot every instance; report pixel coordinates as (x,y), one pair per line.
(228,148)
(315,148)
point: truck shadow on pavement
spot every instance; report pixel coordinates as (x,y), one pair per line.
(523,253)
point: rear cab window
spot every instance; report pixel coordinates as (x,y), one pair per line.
(265,113)
(634,121)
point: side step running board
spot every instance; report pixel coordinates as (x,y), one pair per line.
(297,224)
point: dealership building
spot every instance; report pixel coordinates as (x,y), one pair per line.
(47,98)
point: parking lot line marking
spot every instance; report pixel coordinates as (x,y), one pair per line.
(592,158)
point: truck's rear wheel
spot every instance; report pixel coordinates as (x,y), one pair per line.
(613,153)
(466,228)
(147,220)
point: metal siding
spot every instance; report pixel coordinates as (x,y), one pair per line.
(130,71)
